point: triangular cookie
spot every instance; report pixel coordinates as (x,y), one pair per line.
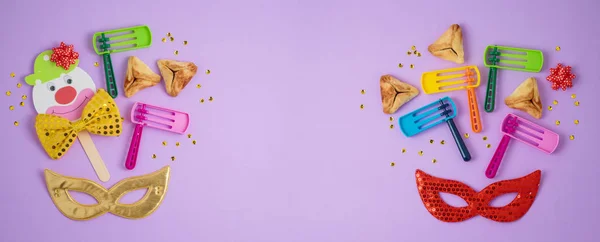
(395,93)
(176,74)
(139,76)
(450,45)
(526,98)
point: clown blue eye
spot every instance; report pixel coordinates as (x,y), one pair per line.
(68,79)
(51,86)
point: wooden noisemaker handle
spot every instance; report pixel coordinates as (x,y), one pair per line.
(93,155)
(476,124)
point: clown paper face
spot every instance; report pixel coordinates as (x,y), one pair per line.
(65,96)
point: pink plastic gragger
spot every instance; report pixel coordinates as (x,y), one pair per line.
(527,132)
(156,117)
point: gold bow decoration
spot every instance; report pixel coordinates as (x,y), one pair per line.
(100,116)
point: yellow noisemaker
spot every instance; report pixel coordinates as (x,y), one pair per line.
(460,78)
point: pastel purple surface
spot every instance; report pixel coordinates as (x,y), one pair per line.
(283,152)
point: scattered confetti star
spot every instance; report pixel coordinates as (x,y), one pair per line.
(466,135)
(164,143)
(391,126)
(442,142)
(96,64)
(549,108)
(413,47)
(172,158)
(8,93)
(176,52)
(418,54)
(363,91)
(484,138)
(172,39)
(488,146)
(433,161)
(189,136)
(164,40)
(576,103)
(185,42)
(201,100)
(19,85)
(576,120)
(193,142)
(24,97)
(22,104)
(555,102)
(11,107)
(153,156)
(557,122)
(412,66)
(400,65)
(391,119)
(421,153)
(392,164)
(557,48)
(415,52)
(177,144)
(362,106)
(12,74)
(572,137)
(207,72)
(403,150)
(169,34)
(198,86)
(573,96)
(16,123)
(409,53)
(431,141)
(210,99)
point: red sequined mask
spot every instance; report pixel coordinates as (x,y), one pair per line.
(430,188)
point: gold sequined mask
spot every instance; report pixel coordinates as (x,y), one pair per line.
(108,200)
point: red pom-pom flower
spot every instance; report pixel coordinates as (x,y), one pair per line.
(561,77)
(64,55)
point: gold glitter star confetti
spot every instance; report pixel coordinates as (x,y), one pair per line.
(391,119)
(576,103)
(24,97)
(362,106)
(176,52)
(403,150)
(19,85)
(415,52)
(189,136)
(201,100)
(571,137)
(576,120)
(169,34)
(413,47)
(12,74)
(11,107)
(194,142)
(555,102)
(198,86)
(96,64)
(418,54)
(363,91)
(177,144)
(467,135)
(207,72)
(391,126)
(210,99)
(557,122)
(172,158)
(409,53)
(400,65)
(172,39)
(8,93)
(164,40)
(16,123)
(442,142)
(392,164)
(488,146)
(573,96)
(433,161)
(153,156)
(431,141)
(549,108)
(557,48)
(164,143)
(185,42)
(412,66)
(484,138)
(22,104)
(421,153)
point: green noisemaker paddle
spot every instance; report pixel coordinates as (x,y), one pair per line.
(502,57)
(119,40)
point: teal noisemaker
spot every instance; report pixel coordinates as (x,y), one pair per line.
(430,115)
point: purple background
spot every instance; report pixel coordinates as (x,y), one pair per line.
(284,152)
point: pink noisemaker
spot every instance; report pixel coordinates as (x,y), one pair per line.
(156,117)
(527,132)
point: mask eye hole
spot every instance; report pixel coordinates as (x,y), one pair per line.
(134,196)
(82,198)
(503,200)
(68,79)
(453,200)
(51,86)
